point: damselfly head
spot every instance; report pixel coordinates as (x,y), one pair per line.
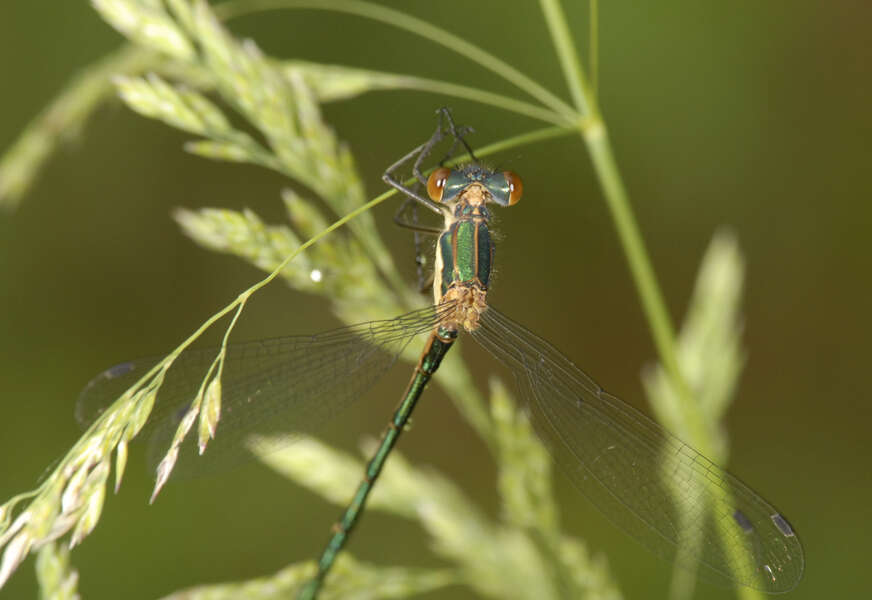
(445,185)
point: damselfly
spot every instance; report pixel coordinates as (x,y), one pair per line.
(661,491)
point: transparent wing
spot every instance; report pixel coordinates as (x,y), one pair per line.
(661,491)
(284,384)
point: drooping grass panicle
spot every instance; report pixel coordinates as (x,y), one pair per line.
(71,497)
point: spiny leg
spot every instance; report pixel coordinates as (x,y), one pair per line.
(420,153)
(407,217)
(458,133)
(401,219)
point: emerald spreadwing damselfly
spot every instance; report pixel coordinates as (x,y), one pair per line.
(662,492)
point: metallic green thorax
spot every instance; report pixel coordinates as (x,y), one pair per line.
(466,249)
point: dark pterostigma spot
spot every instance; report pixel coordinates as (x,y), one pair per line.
(743,521)
(782,525)
(118,370)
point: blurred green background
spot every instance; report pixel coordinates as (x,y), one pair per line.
(751,115)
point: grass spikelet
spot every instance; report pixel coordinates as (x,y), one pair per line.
(147,23)
(57,579)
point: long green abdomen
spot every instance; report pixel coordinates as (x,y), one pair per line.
(438,345)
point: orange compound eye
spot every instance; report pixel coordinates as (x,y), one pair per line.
(516,188)
(436,183)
